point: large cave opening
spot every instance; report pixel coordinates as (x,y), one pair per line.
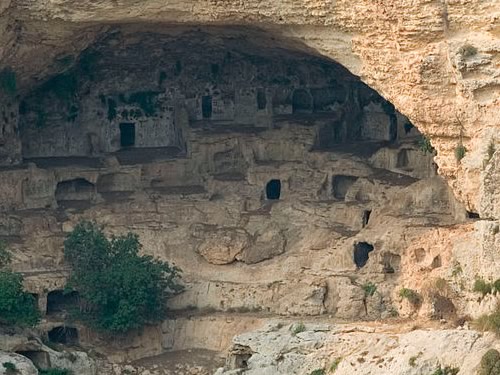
(187,135)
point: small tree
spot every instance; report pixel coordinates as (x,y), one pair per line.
(119,289)
(17,307)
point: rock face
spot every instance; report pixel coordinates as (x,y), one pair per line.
(245,142)
(342,349)
(439,70)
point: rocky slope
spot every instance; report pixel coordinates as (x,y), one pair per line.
(347,349)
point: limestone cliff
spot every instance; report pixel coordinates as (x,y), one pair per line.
(274,151)
(436,61)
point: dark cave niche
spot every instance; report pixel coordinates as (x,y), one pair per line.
(273,189)
(59,301)
(63,335)
(40,359)
(361,253)
(341,185)
(143,90)
(78,189)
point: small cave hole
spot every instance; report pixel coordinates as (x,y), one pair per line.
(361,251)
(63,335)
(442,307)
(302,101)
(261,99)
(74,190)
(40,359)
(341,185)
(472,215)
(366,217)
(436,262)
(58,301)
(127,134)
(206,106)
(273,189)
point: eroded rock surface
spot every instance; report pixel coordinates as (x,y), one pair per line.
(343,349)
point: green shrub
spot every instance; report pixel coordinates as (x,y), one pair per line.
(63,86)
(8,81)
(489,322)
(5,256)
(335,364)
(17,307)
(467,50)
(411,295)
(424,144)
(298,328)
(9,367)
(119,289)
(319,371)
(448,370)
(460,152)
(481,286)
(490,363)
(54,371)
(369,289)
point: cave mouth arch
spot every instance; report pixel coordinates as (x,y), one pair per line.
(361,253)
(157,82)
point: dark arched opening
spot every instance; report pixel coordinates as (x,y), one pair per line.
(60,301)
(63,335)
(361,251)
(273,189)
(78,189)
(341,185)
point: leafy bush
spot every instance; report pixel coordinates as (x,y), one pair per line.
(8,82)
(460,152)
(9,367)
(489,322)
(320,371)
(335,364)
(490,363)
(17,307)
(54,371)
(298,328)
(424,144)
(411,295)
(481,286)
(369,289)
(467,50)
(119,289)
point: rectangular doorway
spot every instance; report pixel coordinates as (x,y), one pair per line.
(127,134)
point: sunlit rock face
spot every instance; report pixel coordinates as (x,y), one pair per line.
(237,142)
(220,150)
